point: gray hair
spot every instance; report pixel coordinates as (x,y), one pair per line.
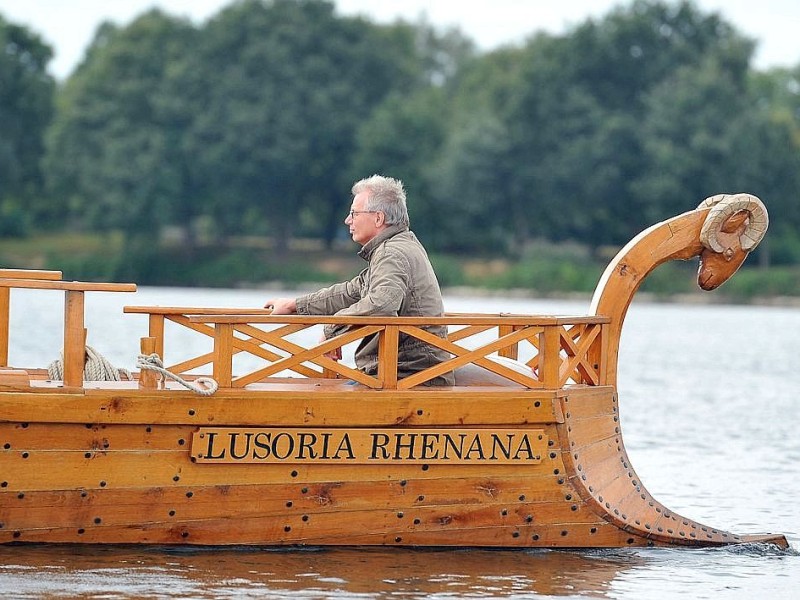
(386,195)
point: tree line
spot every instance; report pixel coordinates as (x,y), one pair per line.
(256,122)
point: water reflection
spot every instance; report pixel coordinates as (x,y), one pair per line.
(128,572)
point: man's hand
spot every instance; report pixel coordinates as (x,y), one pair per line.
(282,306)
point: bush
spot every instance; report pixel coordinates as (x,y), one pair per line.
(449,270)
(13,221)
(546,276)
(753,283)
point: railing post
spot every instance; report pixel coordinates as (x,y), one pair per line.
(156,331)
(5,306)
(223,354)
(148,379)
(74,339)
(387,357)
(602,359)
(549,355)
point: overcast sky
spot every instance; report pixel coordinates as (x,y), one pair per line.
(69,25)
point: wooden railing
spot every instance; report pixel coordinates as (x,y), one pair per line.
(555,351)
(549,351)
(74,331)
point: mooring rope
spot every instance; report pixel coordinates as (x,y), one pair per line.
(96,368)
(205,386)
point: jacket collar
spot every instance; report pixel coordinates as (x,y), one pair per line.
(391,231)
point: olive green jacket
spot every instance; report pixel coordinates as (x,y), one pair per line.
(399,281)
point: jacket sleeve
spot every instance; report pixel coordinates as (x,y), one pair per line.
(388,284)
(330,300)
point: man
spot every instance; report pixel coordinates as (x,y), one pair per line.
(399,280)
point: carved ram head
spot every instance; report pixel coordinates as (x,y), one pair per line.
(733,228)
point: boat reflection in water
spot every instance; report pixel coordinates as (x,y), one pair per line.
(224,572)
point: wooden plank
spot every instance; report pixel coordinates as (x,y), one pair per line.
(388,357)
(596,535)
(304,496)
(155,327)
(223,357)
(132,506)
(147,378)
(18,437)
(488,319)
(29,274)
(196,310)
(296,406)
(368,446)
(14,379)
(28,470)
(270,534)
(5,309)
(589,402)
(73,286)
(74,338)
(549,360)
(458,526)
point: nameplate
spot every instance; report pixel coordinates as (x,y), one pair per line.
(367,446)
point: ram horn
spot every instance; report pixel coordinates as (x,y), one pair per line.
(713,200)
(724,206)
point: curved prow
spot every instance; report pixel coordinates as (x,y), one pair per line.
(722,231)
(598,466)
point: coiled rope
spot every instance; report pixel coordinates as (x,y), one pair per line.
(205,386)
(98,368)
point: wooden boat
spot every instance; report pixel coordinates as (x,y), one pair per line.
(524,451)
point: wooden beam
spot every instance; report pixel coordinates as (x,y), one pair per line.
(29,274)
(80,286)
(5,307)
(148,379)
(223,354)
(74,339)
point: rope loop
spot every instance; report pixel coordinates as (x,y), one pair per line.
(98,368)
(205,386)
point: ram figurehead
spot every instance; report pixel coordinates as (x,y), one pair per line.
(733,228)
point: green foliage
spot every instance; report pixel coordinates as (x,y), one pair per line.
(114,152)
(14,222)
(257,122)
(672,278)
(543,276)
(449,270)
(749,283)
(150,263)
(292,82)
(26,106)
(783,246)
(546,268)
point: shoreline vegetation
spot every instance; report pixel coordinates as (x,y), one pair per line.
(544,270)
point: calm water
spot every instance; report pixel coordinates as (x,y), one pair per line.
(710,410)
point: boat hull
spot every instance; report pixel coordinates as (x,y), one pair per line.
(522,468)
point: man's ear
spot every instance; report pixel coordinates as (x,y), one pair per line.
(380,219)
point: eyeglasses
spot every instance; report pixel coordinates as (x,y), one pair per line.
(353,213)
